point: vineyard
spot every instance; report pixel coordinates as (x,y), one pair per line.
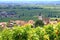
(48,32)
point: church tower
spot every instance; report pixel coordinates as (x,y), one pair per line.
(40,16)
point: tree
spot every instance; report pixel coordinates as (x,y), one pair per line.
(39,23)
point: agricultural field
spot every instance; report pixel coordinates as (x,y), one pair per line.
(54,18)
(28,12)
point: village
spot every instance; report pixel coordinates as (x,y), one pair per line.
(45,20)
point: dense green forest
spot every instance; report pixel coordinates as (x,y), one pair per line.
(28,12)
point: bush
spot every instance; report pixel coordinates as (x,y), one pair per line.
(39,23)
(48,32)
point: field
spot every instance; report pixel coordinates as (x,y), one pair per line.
(30,12)
(54,18)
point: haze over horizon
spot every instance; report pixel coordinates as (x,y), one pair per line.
(26,0)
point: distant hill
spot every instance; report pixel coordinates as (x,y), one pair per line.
(32,2)
(41,2)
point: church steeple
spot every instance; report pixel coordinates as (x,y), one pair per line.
(40,16)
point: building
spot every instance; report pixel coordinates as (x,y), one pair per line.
(46,20)
(3,24)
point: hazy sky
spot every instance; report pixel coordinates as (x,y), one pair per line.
(26,0)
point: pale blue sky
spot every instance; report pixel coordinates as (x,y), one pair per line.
(27,0)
